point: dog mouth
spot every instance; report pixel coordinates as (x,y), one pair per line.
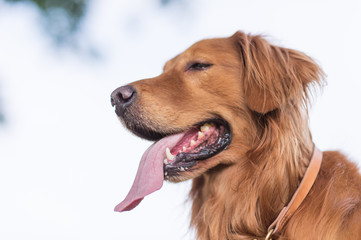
(173,154)
(200,142)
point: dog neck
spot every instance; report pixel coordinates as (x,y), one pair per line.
(262,182)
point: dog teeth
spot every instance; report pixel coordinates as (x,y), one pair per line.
(169,155)
(181,169)
(200,135)
(205,127)
(184,149)
(165,161)
(193,142)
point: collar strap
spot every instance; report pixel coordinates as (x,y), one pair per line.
(300,194)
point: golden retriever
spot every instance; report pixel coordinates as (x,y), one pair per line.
(232,115)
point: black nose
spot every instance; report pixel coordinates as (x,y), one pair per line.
(122,97)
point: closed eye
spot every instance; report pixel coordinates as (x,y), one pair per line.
(197,66)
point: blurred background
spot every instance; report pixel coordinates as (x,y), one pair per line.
(66,161)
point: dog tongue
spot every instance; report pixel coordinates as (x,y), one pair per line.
(150,176)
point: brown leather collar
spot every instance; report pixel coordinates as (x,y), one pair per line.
(300,194)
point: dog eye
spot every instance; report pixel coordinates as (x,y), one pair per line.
(198,66)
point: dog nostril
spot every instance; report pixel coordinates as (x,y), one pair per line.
(112,101)
(126,93)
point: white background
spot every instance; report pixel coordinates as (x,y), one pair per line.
(66,161)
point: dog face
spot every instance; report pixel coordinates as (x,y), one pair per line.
(216,92)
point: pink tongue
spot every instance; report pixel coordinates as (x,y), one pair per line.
(149,177)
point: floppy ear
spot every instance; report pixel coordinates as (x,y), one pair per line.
(273,75)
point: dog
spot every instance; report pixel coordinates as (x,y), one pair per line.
(232,115)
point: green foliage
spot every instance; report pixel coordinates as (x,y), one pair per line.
(61,18)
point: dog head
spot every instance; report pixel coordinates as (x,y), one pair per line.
(217,97)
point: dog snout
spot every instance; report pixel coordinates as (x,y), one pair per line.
(122,97)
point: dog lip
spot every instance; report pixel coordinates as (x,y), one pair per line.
(147,133)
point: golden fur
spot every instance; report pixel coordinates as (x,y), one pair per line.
(263,92)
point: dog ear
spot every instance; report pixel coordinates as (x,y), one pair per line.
(273,76)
